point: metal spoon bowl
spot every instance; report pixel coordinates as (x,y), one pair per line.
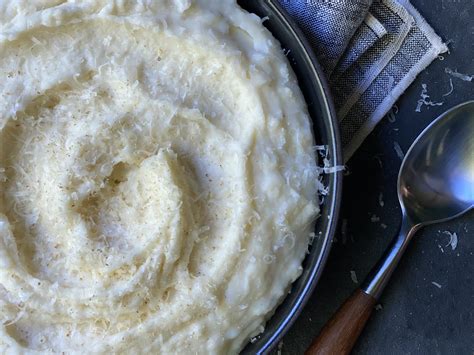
(436,181)
(435,184)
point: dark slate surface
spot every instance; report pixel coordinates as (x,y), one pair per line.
(417,317)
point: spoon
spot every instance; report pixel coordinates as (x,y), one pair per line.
(435,184)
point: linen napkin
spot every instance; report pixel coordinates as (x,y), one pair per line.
(370,50)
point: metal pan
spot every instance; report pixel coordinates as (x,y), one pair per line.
(317,95)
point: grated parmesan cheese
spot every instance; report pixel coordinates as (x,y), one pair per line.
(374,218)
(425,99)
(453,240)
(398,150)
(451,88)
(354,277)
(381,201)
(457,75)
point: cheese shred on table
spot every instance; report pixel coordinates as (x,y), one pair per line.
(158,185)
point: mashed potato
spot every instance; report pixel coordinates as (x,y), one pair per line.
(157,179)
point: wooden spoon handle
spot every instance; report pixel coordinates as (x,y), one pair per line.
(340,334)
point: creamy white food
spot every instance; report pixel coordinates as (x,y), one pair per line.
(157,181)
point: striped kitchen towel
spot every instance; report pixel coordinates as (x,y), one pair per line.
(371,51)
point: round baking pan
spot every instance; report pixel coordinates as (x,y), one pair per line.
(318,99)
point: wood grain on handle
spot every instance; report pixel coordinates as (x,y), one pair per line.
(341,332)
